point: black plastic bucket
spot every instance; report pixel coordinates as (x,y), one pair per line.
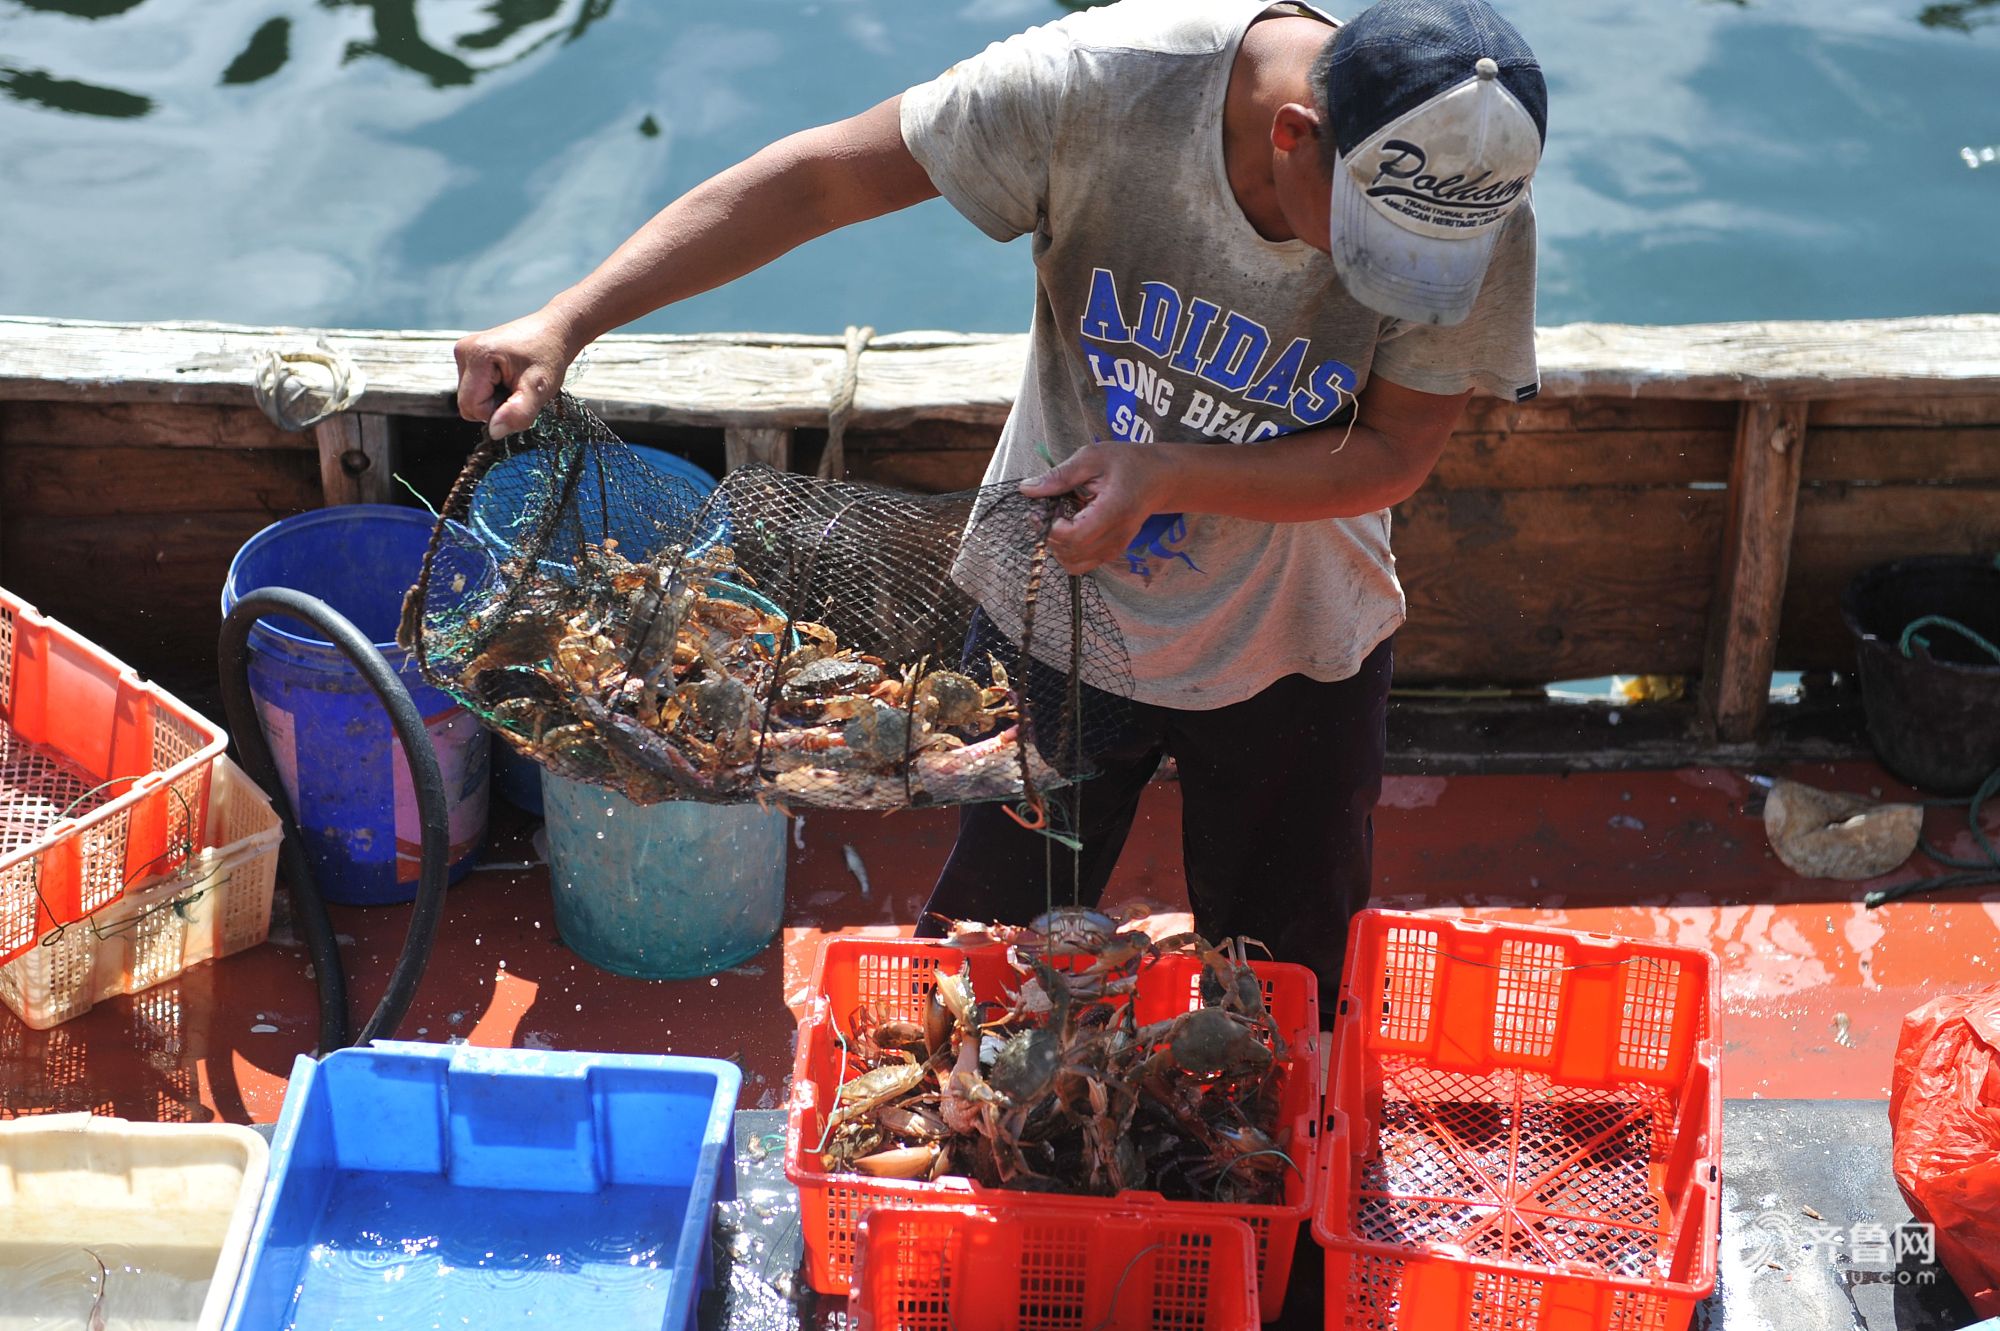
(1933,716)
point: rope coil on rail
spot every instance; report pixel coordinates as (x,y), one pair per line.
(293,400)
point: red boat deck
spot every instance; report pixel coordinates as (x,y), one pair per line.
(1814,984)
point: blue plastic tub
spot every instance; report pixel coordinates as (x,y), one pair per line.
(335,750)
(499,505)
(422,1185)
(663,891)
(497,514)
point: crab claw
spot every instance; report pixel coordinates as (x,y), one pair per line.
(902,1162)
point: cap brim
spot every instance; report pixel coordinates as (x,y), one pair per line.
(1400,273)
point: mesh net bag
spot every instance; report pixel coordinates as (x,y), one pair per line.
(783,639)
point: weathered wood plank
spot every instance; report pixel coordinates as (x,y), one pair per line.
(1946,356)
(1444,737)
(1526,586)
(1912,411)
(1476,461)
(1549,414)
(930,435)
(1844,529)
(1750,577)
(1917,456)
(772,380)
(743,445)
(85,482)
(111,423)
(151,593)
(925,471)
(355,458)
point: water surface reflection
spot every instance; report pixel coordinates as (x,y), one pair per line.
(445,163)
(503,32)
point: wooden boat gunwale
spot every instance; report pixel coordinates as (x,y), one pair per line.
(1679,500)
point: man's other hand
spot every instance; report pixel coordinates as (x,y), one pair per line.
(506,375)
(1119,486)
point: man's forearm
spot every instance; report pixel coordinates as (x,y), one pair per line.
(720,230)
(1303,477)
(798,188)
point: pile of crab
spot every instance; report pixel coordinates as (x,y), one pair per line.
(1054,1085)
(673,679)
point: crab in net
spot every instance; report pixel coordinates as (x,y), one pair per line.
(666,681)
(786,640)
(1055,1086)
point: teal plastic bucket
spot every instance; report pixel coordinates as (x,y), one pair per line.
(497,516)
(662,891)
(336,753)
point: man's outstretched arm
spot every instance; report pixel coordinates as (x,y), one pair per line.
(813,182)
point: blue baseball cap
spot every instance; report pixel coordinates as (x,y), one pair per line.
(1439,114)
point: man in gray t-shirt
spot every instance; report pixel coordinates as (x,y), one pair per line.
(1274,256)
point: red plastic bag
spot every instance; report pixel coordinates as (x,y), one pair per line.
(1944,1123)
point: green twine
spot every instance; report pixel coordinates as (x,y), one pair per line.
(400,480)
(1975,872)
(1951,625)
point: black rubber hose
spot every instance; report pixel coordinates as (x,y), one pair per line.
(432,812)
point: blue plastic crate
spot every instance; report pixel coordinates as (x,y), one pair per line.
(421,1186)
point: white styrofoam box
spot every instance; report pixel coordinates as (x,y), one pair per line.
(167,1207)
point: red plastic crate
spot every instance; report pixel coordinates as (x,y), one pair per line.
(102,777)
(894,977)
(1524,1130)
(964,1270)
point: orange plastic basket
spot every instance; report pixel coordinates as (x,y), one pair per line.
(1524,1131)
(894,977)
(104,778)
(965,1270)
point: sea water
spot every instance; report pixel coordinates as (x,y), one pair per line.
(412,1252)
(449,164)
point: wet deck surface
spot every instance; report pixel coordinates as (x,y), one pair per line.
(1814,985)
(1815,1236)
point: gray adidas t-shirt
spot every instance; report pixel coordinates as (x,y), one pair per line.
(1161,314)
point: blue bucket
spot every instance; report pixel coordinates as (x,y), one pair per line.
(336,753)
(495,519)
(499,506)
(663,891)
